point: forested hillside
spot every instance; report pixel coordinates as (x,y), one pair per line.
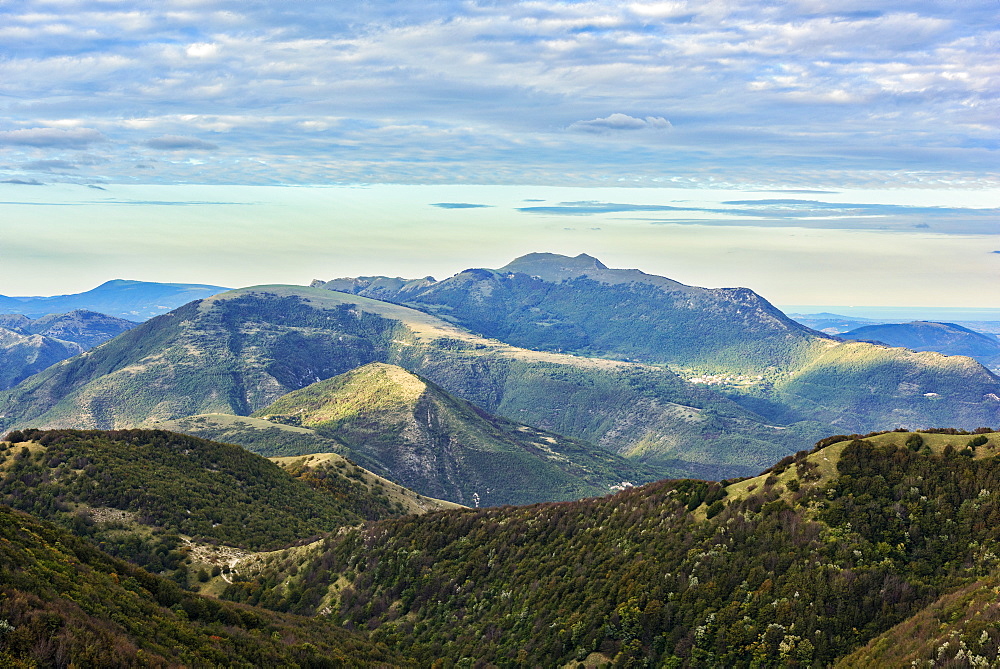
(149,495)
(65,603)
(798,567)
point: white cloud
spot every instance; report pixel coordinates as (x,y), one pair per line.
(751,87)
(619,121)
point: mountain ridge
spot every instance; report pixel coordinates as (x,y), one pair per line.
(443,446)
(239,351)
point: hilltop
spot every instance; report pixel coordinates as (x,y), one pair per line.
(152,496)
(947,338)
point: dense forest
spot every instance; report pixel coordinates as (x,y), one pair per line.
(135,492)
(796,568)
(65,603)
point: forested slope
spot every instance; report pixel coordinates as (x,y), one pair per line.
(797,567)
(65,603)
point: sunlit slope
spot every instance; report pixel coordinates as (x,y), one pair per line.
(851,384)
(435,443)
(239,351)
(207,491)
(306,454)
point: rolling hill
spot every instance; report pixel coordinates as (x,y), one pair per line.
(65,603)
(151,496)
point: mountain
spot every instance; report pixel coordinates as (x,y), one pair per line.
(86,328)
(22,355)
(831,324)
(150,496)
(800,566)
(947,338)
(240,351)
(28,346)
(550,302)
(730,338)
(134,300)
(63,603)
(442,446)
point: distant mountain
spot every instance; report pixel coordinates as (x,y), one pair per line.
(437,444)
(63,603)
(947,338)
(550,302)
(22,355)
(86,328)
(730,338)
(240,351)
(803,565)
(132,300)
(29,346)
(832,324)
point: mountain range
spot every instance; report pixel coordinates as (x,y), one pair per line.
(121,298)
(240,351)
(389,409)
(687,381)
(28,346)
(875,550)
(730,338)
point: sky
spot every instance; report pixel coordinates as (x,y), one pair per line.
(819,152)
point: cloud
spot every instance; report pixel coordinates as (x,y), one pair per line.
(620,122)
(73,138)
(796,213)
(459,205)
(49,165)
(179,143)
(804,95)
(23,182)
(591,208)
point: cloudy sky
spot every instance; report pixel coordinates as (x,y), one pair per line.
(836,124)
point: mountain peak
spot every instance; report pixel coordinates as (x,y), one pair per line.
(553,266)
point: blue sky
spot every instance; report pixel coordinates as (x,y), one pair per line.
(785,109)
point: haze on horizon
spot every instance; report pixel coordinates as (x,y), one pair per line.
(817,152)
